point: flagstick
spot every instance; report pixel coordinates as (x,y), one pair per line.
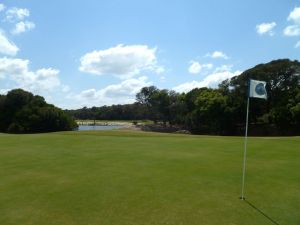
(245,151)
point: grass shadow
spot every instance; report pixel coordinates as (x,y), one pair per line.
(261,212)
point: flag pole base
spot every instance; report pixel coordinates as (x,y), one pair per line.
(242,198)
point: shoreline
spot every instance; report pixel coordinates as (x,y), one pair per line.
(137,127)
(106,123)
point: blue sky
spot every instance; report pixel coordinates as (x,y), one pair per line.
(85,53)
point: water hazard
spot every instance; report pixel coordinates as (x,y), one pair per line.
(98,127)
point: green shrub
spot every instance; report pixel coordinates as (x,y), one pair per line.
(22,112)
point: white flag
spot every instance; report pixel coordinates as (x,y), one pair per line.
(257,89)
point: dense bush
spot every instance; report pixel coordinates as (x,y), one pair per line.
(23,112)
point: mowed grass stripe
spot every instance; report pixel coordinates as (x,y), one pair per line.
(126,177)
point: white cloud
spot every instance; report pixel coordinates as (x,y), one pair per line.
(90,93)
(292,30)
(22,27)
(159,69)
(65,88)
(297,45)
(45,79)
(162,79)
(123,61)
(7,47)
(211,81)
(121,93)
(295,15)
(16,72)
(4,91)
(223,68)
(196,67)
(2,7)
(17,14)
(217,54)
(266,28)
(12,67)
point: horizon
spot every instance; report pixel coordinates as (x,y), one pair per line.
(97,53)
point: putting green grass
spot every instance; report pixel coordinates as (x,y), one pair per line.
(135,178)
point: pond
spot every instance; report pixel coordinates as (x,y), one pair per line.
(98,127)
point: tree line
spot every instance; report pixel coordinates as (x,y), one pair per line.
(23,112)
(221,110)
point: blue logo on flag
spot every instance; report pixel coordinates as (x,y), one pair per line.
(260,89)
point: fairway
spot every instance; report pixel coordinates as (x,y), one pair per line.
(135,178)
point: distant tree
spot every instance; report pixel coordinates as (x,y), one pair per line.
(283,79)
(145,95)
(149,97)
(213,112)
(221,110)
(177,108)
(164,105)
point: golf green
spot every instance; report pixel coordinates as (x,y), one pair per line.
(137,178)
